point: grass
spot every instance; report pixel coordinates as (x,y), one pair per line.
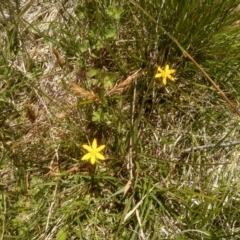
(72,71)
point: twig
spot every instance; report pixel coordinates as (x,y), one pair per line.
(211,146)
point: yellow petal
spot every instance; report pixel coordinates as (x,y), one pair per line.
(94,143)
(166,68)
(158,75)
(171,78)
(100,148)
(100,156)
(93,159)
(88,148)
(171,71)
(164,80)
(86,156)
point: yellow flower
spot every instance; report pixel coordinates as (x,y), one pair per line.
(93,152)
(166,73)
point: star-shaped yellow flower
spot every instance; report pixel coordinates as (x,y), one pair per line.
(164,74)
(93,152)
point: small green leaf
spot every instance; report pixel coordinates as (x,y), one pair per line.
(96,117)
(114,12)
(111,32)
(107,83)
(110,79)
(92,72)
(84,46)
(62,234)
